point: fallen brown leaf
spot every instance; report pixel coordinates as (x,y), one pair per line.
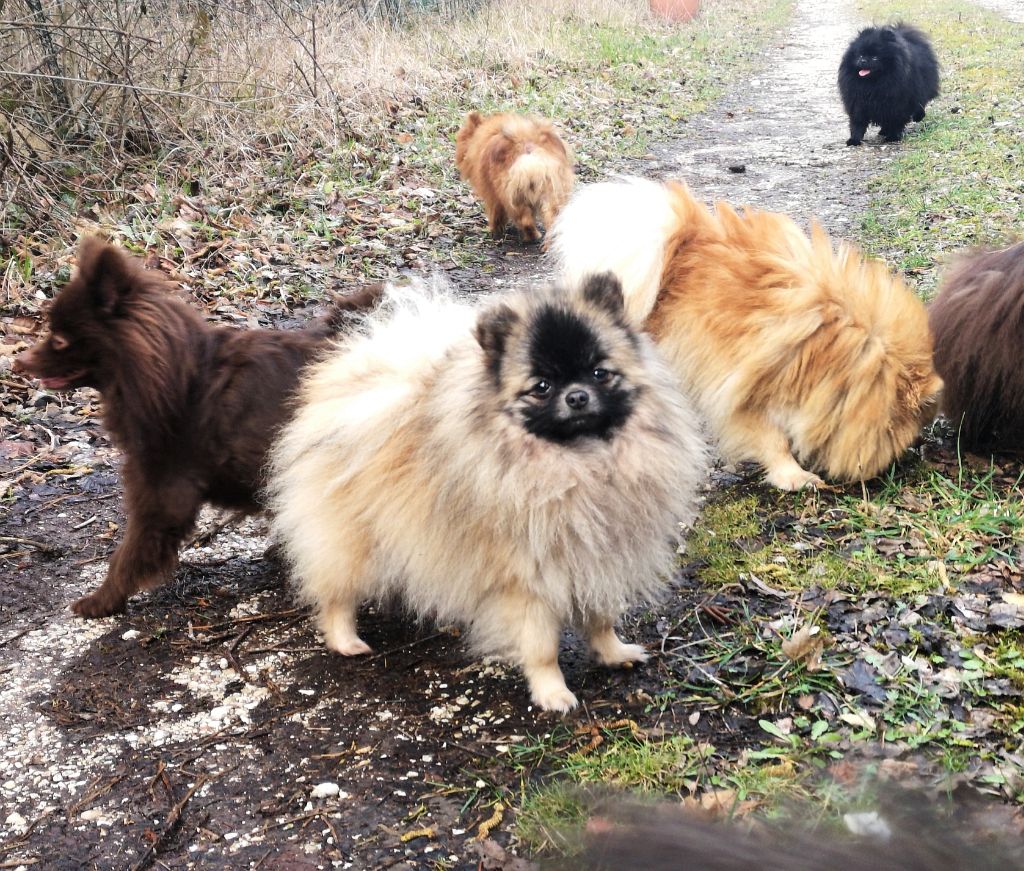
(806,646)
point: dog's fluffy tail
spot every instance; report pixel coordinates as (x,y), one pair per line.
(348,310)
(621,227)
(408,330)
(538,176)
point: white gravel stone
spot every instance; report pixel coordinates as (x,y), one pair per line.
(326,790)
(16,821)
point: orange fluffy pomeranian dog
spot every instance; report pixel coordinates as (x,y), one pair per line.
(802,357)
(518,166)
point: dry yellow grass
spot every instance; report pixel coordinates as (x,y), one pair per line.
(325,70)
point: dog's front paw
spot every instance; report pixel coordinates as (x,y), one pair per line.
(561,700)
(548,689)
(338,623)
(793,479)
(852,141)
(349,645)
(99,603)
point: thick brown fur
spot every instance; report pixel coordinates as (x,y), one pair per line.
(519,166)
(192,406)
(803,356)
(797,350)
(978,324)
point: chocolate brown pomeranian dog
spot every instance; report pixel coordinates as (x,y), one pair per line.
(978,323)
(519,166)
(192,406)
(804,357)
(912,836)
(514,467)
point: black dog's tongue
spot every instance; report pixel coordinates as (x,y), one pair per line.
(863,73)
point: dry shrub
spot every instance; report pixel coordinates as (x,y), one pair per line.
(89,90)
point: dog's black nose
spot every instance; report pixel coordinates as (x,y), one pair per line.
(577,399)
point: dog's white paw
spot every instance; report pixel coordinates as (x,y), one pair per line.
(548,691)
(793,479)
(348,645)
(558,700)
(624,654)
(611,650)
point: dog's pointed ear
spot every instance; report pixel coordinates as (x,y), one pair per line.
(107,272)
(493,328)
(605,291)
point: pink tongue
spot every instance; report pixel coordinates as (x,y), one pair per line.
(863,73)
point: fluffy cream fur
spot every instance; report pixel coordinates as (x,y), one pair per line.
(788,346)
(586,240)
(405,471)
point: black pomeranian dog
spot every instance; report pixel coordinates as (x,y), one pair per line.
(886,77)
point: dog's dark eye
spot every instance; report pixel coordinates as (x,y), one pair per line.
(541,388)
(601,375)
(59,343)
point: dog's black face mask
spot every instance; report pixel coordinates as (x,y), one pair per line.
(575,392)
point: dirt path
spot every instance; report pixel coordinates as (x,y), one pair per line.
(208,726)
(1012,9)
(787,129)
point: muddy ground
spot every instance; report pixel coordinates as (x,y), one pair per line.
(207,727)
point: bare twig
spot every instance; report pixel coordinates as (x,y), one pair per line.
(42,29)
(89,28)
(170,825)
(30,542)
(142,89)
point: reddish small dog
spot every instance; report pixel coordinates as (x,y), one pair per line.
(978,323)
(194,407)
(518,166)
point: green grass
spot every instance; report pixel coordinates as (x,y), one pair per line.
(549,817)
(733,541)
(964,521)
(956,181)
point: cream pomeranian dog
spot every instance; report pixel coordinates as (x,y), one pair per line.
(514,466)
(519,166)
(803,357)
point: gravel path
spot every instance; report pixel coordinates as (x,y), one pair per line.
(787,129)
(1012,9)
